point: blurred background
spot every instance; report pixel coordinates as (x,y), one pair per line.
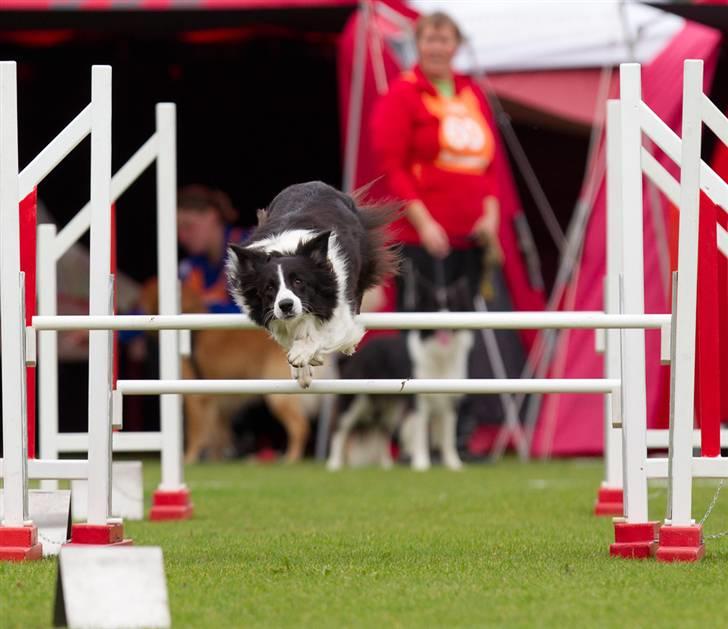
(272,92)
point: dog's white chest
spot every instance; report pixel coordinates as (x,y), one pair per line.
(432,362)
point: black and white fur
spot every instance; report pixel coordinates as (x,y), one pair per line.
(424,354)
(303,272)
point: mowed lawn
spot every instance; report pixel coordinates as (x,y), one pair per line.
(494,545)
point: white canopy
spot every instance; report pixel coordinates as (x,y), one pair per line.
(508,35)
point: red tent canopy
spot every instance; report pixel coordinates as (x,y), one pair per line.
(186,5)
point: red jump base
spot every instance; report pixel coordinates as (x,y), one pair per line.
(171,505)
(634,541)
(680,543)
(610,502)
(19,543)
(99,535)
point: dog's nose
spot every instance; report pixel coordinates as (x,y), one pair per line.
(286,305)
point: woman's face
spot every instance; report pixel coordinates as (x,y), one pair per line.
(436,48)
(198,230)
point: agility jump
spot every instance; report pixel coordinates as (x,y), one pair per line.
(629,387)
(171,500)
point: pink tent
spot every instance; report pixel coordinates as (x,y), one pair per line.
(572,424)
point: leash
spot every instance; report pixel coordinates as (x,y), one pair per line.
(412,277)
(710,510)
(410,291)
(440,285)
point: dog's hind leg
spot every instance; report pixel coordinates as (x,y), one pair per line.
(222,437)
(420,442)
(201,421)
(391,417)
(347,421)
(288,410)
(448,449)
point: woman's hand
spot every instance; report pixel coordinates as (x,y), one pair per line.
(434,239)
(432,235)
(485,229)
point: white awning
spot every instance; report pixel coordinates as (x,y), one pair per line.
(508,35)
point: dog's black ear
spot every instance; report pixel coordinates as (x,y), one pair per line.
(317,248)
(248,260)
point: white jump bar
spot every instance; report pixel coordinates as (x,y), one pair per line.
(378,387)
(61,469)
(660,437)
(371,321)
(122,442)
(702,467)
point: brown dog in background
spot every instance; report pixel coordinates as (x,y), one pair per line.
(231,354)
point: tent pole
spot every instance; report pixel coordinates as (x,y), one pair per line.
(356,96)
(512,425)
(375,53)
(575,232)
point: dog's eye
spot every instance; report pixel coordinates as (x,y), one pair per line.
(298,283)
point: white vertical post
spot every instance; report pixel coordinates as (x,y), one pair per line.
(681,450)
(169,367)
(634,410)
(47,349)
(12,327)
(613,436)
(100,359)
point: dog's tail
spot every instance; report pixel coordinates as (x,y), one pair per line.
(381,255)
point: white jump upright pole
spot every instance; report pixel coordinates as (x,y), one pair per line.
(18,536)
(100,303)
(171,500)
(636,536)
(47,350)
(680,522)
(611,499)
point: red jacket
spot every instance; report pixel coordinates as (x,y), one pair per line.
(437,150)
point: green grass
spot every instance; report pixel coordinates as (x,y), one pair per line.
(505,545)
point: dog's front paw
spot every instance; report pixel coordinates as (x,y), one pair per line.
(386,461)
(334,464)
(420,464)
(351,340)
(349,350)
(302,353)
(303,375)
(317,360)
(453,463)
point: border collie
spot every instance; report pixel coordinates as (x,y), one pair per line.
(423,354)
(303,272)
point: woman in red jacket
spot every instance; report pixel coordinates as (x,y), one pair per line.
(432,136)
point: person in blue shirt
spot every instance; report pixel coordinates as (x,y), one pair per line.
(204,229)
